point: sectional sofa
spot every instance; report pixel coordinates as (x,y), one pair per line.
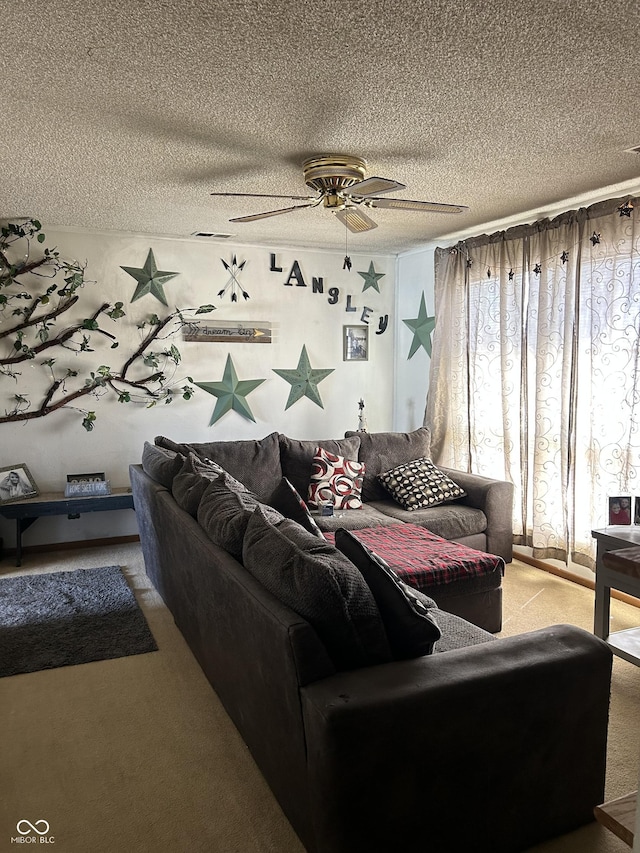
(380,721)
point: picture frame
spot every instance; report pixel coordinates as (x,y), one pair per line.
(98,477)
(619,510)
(16,483)
(355,343)
(636,511)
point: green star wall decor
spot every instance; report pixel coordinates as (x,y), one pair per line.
(421,326)
(231,393)
(304,380)
(150,279)
(371,278)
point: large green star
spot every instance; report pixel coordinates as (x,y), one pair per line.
(371,278)
(150,279)
(421,326)
(231,393)
(304,380)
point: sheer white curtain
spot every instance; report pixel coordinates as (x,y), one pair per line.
(535,370)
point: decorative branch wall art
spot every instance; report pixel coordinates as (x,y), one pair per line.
(150,279)
(231,393)
(44,292)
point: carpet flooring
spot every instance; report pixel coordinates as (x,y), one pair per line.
(68,618)
(137,753)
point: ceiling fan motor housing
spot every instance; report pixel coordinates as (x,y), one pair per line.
(333,173)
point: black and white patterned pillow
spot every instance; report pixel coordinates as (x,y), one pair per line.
(420,484)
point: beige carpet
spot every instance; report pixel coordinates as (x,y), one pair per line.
(137,754)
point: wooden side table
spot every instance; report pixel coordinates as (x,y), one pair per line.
(29,510)
(617,567)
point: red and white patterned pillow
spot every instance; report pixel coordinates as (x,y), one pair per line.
(335,479)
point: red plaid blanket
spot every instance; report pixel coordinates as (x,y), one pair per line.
(423,559)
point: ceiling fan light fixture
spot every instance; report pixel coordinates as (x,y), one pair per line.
(355,220)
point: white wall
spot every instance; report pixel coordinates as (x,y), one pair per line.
(58,444)
(414,275)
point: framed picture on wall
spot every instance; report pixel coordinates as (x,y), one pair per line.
(355,343)
(620,510)
(16,483)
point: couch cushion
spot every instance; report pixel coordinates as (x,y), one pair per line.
(407,614)
(381,451)
(296,457)
(320,584)
(368,516)
(160,464)
(451,521)
(288,502)
(256,463)
(420,484)
(335,479)
(224,512)
(457,633)
(194,476)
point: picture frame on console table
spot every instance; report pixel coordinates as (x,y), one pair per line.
(16,483)
(636,511)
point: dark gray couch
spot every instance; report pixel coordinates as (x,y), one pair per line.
(486,744)
(482,519)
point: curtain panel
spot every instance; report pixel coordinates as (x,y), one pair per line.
(535,370)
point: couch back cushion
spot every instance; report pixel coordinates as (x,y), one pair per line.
(296,457)
(192,479)
(320,584)
(408,615)
(255,462)
(224,512)
(160,464)
(381,451)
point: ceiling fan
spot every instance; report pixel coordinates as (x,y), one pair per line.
(340,183)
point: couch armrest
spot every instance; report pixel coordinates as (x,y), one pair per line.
(495,499)
(489,748)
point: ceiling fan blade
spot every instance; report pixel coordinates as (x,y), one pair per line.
(255,216)
(373,186)
(264,195)
(355,220)
(424,206)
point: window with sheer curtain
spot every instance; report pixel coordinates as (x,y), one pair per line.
(535,370)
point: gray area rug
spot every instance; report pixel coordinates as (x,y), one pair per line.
(67,618)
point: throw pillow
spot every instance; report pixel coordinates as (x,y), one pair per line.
(320,584)
(193,478)
(381,451)
(224,512)
(296,457)
(287,501)
(420,484)
(407,613)
(161,465)
(335,479)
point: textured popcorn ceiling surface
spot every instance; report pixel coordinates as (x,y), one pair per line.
(125,116)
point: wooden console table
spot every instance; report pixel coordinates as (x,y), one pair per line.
(29,510)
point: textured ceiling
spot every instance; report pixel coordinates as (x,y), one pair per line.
(126,116)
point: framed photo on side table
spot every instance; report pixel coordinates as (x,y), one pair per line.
(355,343)
(16,483)
(620,510)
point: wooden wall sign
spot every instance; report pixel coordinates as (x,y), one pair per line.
(227,333)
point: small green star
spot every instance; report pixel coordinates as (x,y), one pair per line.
(230,393)
(371,278)
(421,326)
(304,380)
(150,279)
